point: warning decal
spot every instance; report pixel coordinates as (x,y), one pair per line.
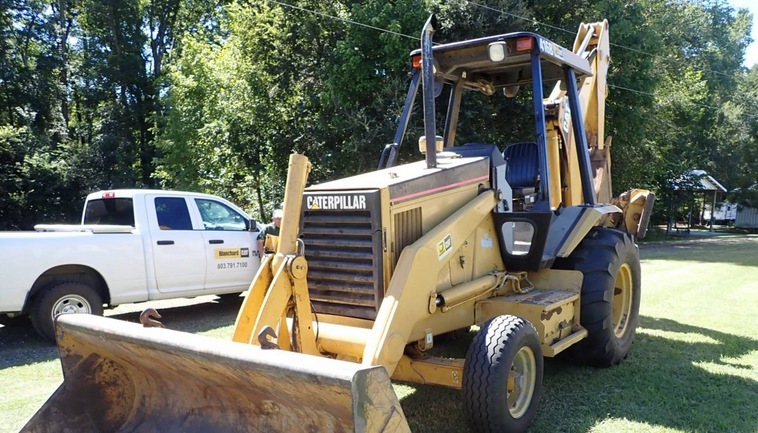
(444,247)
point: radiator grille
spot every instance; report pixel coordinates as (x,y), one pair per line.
(341,249)
(407,226)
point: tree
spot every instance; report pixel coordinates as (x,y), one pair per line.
(214,96)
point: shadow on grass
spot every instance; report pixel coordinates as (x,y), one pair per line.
(21,345)
(662,383)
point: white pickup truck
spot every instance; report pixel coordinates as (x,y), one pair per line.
(132,246)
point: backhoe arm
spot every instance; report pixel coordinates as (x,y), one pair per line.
(593,43)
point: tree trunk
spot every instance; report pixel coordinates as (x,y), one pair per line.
(62,27)
(259,194)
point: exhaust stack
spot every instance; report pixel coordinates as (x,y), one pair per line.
(427,79)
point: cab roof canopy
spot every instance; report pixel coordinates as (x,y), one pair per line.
(472,57)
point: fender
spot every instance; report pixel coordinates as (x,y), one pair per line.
(573,224)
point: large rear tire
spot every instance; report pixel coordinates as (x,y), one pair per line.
(610,301)
(67,297)
(502,376)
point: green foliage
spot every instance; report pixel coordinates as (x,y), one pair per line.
(214,96)
(232,114)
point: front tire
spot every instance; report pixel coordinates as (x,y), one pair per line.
(68,297)
(502,376)
(610,301)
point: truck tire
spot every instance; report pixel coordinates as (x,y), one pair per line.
(502,376)
(610,298)
(67,297)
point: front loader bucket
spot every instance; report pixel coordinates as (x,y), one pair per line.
(121,377)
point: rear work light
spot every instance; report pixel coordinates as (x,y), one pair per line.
(524,44)
(416,61)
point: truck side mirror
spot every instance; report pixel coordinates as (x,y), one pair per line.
(251,225)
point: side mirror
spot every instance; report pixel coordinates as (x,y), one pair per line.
(251,225)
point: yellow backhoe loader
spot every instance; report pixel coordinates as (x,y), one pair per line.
(528,244)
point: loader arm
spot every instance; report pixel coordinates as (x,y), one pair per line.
(279,289)
(414,283)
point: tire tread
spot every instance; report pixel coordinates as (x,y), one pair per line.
(596,257)
(487,350)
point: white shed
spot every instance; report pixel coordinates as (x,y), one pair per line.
(747,218)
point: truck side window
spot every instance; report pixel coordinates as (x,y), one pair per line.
(172,213)
(218,216)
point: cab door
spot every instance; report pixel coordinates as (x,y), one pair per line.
(230,248)
(178,250)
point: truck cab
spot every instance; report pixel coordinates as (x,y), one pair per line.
(131,246)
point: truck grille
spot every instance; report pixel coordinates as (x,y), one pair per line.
(343,249)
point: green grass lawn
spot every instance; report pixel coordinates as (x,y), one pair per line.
(693,366)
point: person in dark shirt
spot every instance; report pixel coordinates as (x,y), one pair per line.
(270,229)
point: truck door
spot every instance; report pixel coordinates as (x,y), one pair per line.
(178,251)
(230,248)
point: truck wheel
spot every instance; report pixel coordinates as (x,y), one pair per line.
(68,297)
(502,376)
(610,301)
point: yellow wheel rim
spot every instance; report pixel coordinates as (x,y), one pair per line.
(622,300)
(521,382)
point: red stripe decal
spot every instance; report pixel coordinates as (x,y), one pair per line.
(440,188)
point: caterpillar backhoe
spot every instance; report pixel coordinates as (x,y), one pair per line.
(368,271)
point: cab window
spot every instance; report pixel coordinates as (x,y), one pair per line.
(118,211)
(218,216)
(172,213)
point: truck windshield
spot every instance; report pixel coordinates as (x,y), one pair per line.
(116,211)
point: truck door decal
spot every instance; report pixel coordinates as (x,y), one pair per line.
(231,253)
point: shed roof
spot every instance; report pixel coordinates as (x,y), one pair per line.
(698,180)
(707,181)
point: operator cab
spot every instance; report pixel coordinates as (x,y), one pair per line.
(521,172)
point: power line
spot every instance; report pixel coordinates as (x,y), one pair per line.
(380,29)
(613,86)
(344,20)
(713,107)
(532,20)
(635,50)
